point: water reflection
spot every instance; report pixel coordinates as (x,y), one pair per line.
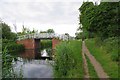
(32,65)
(30,54)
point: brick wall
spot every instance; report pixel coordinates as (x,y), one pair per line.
(28,43)
(55,42)
(35,43)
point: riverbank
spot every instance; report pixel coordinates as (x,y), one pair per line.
(68,60)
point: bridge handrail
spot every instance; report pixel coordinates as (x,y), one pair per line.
(43,35)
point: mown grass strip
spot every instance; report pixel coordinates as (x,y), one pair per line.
(110,67)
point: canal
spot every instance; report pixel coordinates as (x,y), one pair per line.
(29,64)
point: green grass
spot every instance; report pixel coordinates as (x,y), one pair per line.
(92,72)
(68,60)
(100,53)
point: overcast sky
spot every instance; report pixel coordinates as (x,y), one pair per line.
(62,16)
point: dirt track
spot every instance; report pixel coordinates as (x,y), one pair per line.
(97,66)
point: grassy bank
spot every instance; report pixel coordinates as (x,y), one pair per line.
(104,57)
(68,60)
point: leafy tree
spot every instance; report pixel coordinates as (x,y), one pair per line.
(50,31)
(67,34)
(6,32)
(43,32)
(78,35)
(100,20)
(27,31)
(34,31)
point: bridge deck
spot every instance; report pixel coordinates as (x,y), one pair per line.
(43,36)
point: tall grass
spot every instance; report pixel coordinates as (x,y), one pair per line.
(68,60)
(104,56)
(7,68)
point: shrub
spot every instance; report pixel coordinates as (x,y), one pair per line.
(64,60)
(12,46)
(46,44)
(68,63)
(112,47)
(7,68)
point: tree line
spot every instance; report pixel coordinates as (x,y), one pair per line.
(26,30)
(99,20)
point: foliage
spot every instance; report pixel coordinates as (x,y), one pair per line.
(112,47)
(9,38)
(68,60)
(50,31)
(12,46)
(8,46)
(78,35)
(7,68)
(102,20)
(6,64)
(46,44)
(101,54)
(49,51)
(26,30)
(6,32)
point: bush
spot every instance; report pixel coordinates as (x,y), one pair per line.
(46,44)
(7,67)
(12,46)
(68,63)
(64,60)
(49,51)
(7,70)
(112,47)
(15,47)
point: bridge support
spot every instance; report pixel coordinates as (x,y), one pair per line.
(35,43)
(30,43)
(55,42)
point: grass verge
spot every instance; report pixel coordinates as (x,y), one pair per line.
(100,53)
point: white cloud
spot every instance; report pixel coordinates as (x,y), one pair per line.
(42,0)
(61,16)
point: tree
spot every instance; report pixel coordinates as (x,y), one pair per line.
(78,35)
(34,31)
(101,20)
(50,31)
(6,32)
(43,32)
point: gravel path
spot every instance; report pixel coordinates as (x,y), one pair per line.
(97,66)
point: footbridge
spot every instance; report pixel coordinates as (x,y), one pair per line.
(32,41)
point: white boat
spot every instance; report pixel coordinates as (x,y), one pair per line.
(44,53)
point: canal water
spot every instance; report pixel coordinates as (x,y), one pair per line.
(29,64)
